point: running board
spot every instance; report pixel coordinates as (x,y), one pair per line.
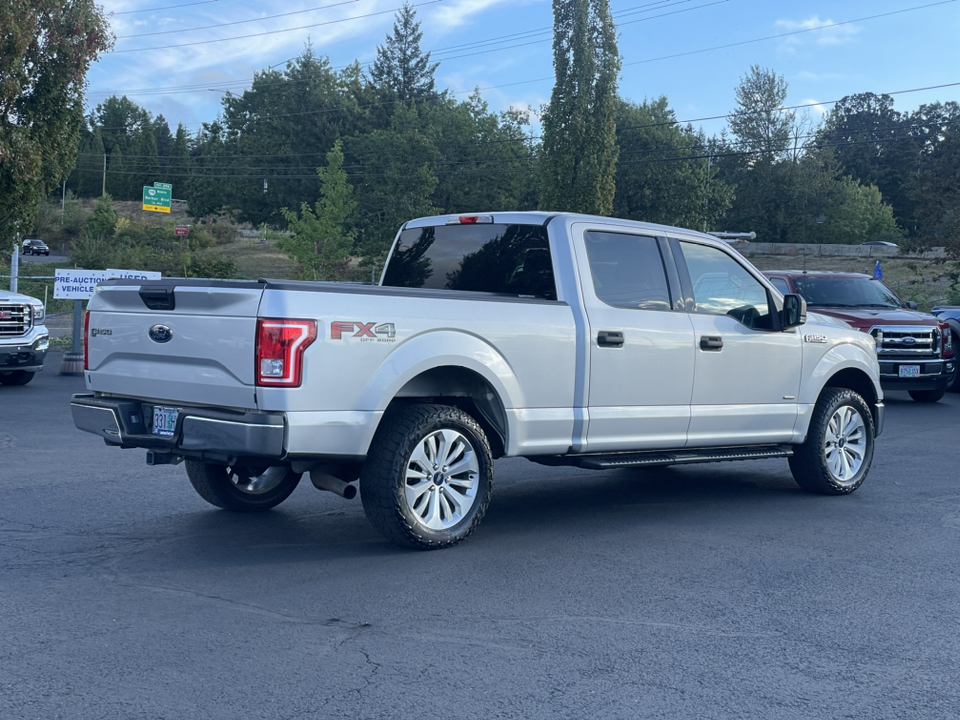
(680,457)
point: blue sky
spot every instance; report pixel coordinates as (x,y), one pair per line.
(178,57)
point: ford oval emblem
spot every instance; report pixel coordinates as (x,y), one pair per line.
(160,334)
(909,340)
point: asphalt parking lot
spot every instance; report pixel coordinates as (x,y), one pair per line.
(710,591)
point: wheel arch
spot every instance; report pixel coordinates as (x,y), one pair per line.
(462,388)
(857,380)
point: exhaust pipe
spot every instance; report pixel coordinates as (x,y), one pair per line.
(324,481)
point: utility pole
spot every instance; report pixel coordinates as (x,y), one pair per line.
(103,190)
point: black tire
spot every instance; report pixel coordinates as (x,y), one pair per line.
(442,508)
(953,384)
(928,396)
(16,377)
(840,430)
(235,488)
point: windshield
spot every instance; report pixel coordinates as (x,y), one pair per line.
(846,292)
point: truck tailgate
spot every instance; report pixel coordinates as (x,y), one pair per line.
(175,341)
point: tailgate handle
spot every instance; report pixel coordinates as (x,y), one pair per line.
(158,298)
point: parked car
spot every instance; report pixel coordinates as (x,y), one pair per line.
(32,246)
(915,349)
(566,339)
(24,338)
(950,314)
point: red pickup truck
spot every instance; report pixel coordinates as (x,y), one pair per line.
(915,349)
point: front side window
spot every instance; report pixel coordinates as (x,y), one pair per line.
(627,270)
(722,286)
(506,259)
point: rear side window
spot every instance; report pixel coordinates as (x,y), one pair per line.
(627,270)
(506,259)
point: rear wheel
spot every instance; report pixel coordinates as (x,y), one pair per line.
(428,478)
(242,489)
(838,451)
(16,377)
(928,396)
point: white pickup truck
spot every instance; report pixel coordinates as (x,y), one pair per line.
(566,339)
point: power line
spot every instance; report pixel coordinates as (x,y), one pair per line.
(180,31)
(270,32)
(169,7)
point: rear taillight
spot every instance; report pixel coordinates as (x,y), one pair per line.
(86,341)
(280,346)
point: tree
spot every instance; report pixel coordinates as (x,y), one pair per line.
(402,71)
(46,50)
(320,239)
(399,180)
(578,158)
(118,182)
(762,128)
(90,167)
(178,165)
(662,174)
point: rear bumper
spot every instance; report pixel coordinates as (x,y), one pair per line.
(200,433)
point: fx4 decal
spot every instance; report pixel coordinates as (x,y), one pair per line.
(367,332)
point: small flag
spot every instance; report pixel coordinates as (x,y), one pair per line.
(878,272)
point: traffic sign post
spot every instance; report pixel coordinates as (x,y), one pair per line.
(158,199)
(181,230)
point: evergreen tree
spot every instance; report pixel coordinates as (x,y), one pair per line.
(579,154)
(321,239)
(117,179)
(402,71)
(762,128)
(90,167)
(178,165)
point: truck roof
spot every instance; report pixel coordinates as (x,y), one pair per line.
(541,217)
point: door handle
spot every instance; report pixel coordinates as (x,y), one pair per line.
(711,342)
(610,338)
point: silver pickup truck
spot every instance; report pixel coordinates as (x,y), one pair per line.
(566,339)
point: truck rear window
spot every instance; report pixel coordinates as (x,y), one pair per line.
(505,259)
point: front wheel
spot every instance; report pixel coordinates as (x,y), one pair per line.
(16,377)
(427,480)
(242,489)
(837,454)
(928,396)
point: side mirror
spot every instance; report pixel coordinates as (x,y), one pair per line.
(794,312)
(911,304)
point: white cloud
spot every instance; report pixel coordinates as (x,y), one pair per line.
(815,106)
(459,12)
(813,29)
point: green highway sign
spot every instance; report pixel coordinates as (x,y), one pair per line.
(157,198)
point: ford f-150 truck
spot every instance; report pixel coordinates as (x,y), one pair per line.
(24,338)
(566,339)
(915,349)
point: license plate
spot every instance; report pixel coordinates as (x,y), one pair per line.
(164,421)
(909,371)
